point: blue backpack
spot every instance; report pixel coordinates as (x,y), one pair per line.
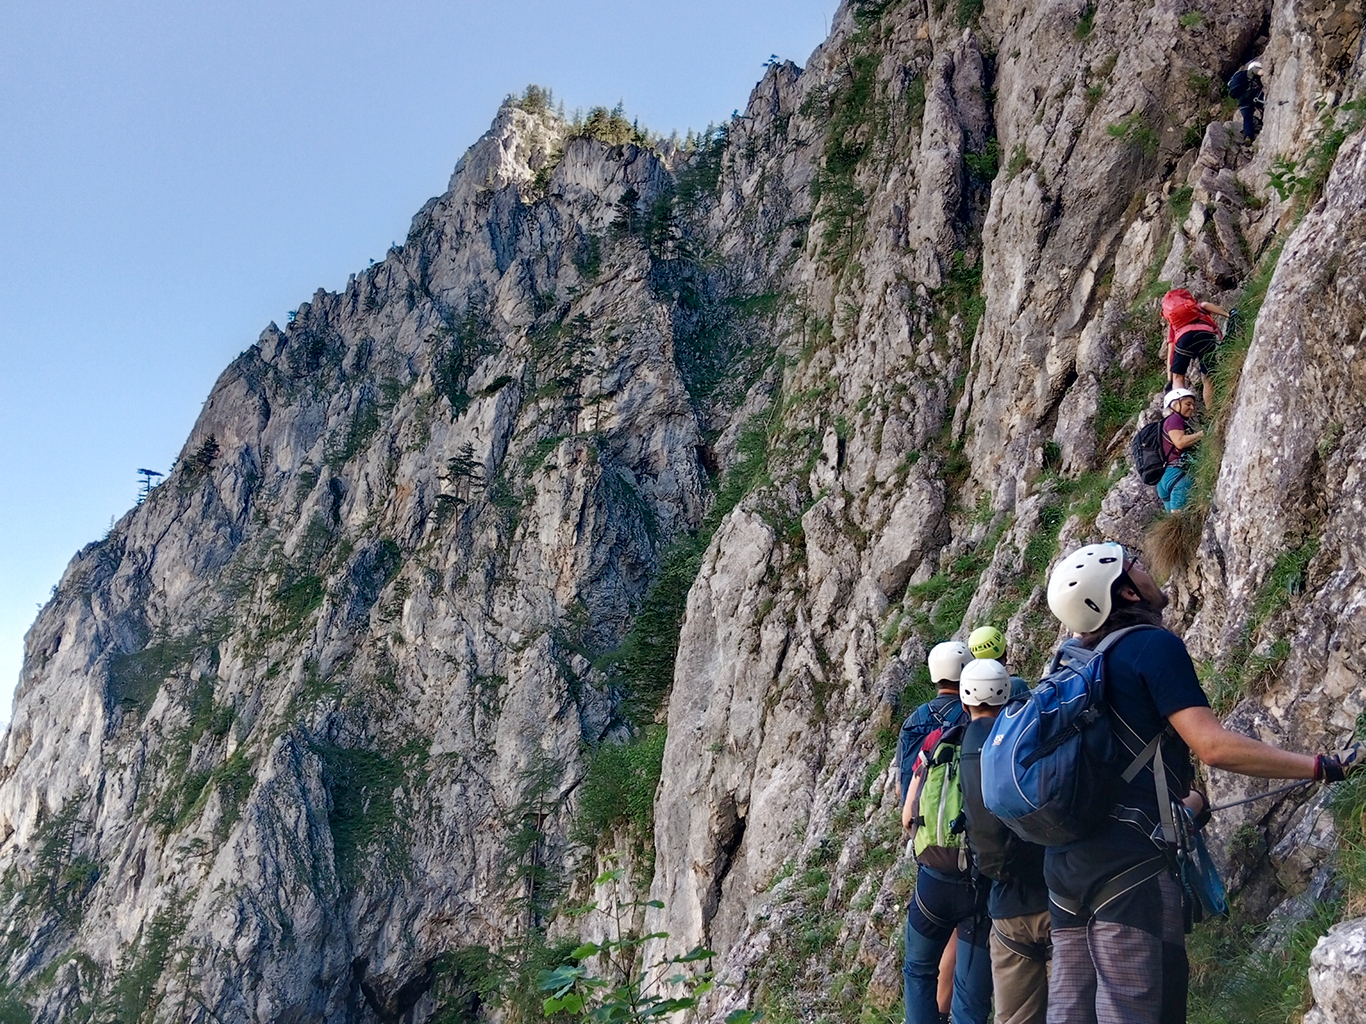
(1049,766)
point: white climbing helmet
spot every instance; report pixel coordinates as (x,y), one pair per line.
(1175,395)
(1079,588)
(985,682)
(946,661)
(1254,67)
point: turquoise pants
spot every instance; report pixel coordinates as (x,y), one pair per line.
(1173,488)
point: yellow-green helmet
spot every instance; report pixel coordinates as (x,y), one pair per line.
(987,642)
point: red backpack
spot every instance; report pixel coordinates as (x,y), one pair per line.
(1183,315)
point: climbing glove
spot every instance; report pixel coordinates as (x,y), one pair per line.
(1336,767)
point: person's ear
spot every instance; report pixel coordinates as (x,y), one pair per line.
(1128,592)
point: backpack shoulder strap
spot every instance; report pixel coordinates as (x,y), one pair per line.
(1152,752)
(1110,639)
(939,708)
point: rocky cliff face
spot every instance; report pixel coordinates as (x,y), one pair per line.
(642,461)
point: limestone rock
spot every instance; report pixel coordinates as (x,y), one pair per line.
(1337,974)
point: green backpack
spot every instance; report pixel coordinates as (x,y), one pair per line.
(938,819)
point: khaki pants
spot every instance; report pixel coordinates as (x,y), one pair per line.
(1020,983)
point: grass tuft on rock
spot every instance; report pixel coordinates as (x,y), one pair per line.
(1171,542)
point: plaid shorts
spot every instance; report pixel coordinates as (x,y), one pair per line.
(1126,964)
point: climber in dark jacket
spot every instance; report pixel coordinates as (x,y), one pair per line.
(931,973)
(1018,904)
(1246,87)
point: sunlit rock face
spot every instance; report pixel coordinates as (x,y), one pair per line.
(634,438)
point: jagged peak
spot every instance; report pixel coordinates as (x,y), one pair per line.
(520,140)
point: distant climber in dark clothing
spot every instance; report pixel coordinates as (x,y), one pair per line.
(1018,903)
(1246,87)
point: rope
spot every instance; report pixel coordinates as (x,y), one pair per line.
(1262,796)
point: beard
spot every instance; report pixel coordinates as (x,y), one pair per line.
(1157,605)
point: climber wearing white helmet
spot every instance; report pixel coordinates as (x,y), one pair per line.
(1018,903)
(1246,87)
(1177,438)
(942,976)
(1119,950)
(945,663)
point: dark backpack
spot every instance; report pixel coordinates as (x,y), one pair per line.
(1050,766)
(1148,452)
(994,847)
(939,713)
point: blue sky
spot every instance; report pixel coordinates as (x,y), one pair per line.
(175,176)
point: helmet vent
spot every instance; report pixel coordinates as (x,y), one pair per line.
(1093,606)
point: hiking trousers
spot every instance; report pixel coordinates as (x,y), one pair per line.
(1173,488)
(1126,964)
(942,904)
(1019,967)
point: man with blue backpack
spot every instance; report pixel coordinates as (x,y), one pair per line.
(945,663)
(1096,765)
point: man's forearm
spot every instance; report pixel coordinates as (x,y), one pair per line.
(1234,752)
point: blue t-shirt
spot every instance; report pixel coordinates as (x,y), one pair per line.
(944,711)
(1149,676)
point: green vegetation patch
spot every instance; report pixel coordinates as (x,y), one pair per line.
(1229,983)
(1124,394)
(962,295)
(943,599)
(365,822)
(619,788)
(1134,131)
(1180,201)
(1236,975)
(1304,179)
(1244,668)
(1086,23)
(135,679)
(610,127)
(461,342)
(621,780)
(134,997)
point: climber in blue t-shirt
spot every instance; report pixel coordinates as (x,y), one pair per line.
(945,663)
(1118,925)
(939,973)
